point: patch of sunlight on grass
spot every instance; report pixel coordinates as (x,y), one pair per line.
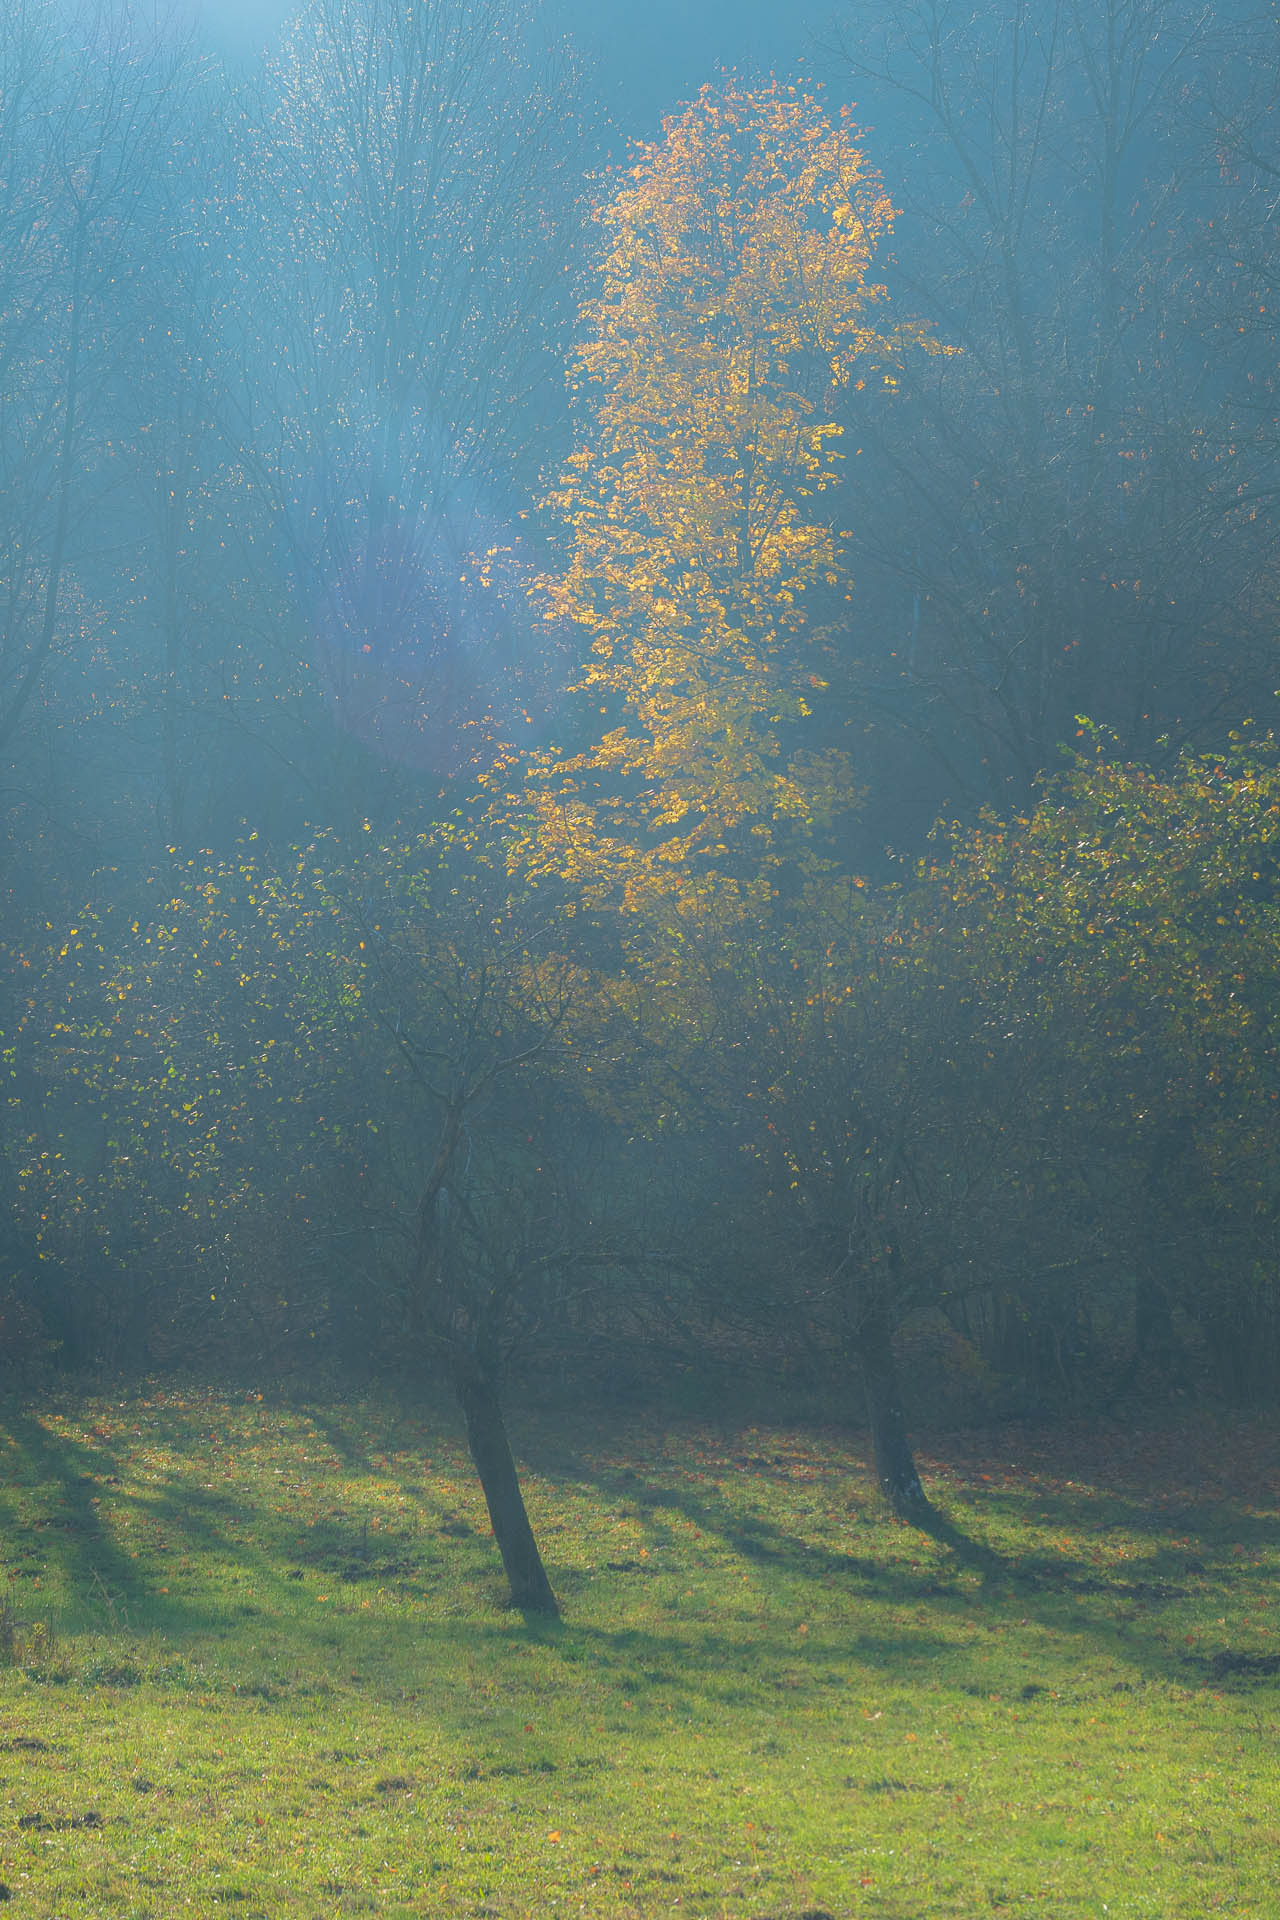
(255,1660)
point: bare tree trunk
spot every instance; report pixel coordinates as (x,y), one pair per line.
(491,1453)
(895,1463)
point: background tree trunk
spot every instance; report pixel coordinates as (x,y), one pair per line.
(895,1463)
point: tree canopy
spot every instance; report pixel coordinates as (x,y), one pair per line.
(737,299)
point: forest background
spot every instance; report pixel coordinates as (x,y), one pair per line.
(474,901)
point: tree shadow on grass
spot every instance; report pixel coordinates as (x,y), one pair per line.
(70,1482)
(1112,1612)
(67,1481)
(111,1593)
(756,1538)
(968,1551)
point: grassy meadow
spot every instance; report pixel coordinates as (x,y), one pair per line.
(256,1662)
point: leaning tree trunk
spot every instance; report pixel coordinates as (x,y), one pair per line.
(491,1453)
(895,1462)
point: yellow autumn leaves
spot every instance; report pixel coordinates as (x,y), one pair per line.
(736,302)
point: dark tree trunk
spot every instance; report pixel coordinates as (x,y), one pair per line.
(491,1453)
(1159,1226)
(895,1462)
(1153,1337)
(1156,1347)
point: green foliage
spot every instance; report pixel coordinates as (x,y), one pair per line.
(317,1071)
(1134,919)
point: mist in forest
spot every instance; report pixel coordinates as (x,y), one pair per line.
(637,654)
(642,57)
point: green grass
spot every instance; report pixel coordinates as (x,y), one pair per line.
(257,1663)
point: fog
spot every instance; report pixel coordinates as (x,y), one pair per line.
(643,57)
(618,769)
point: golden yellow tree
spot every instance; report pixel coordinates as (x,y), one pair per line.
(737,301)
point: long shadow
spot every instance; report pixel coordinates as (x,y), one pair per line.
(352,1453)
(70,1528)
(646,1663)
(109,1588)
(755,1537)
(1060,1591)
(105,1589)
(1165,1568)
(108,1582)
(968,1552)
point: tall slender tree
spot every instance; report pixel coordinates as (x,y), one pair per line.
(737,302)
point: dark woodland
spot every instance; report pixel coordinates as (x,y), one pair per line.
(637,684)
